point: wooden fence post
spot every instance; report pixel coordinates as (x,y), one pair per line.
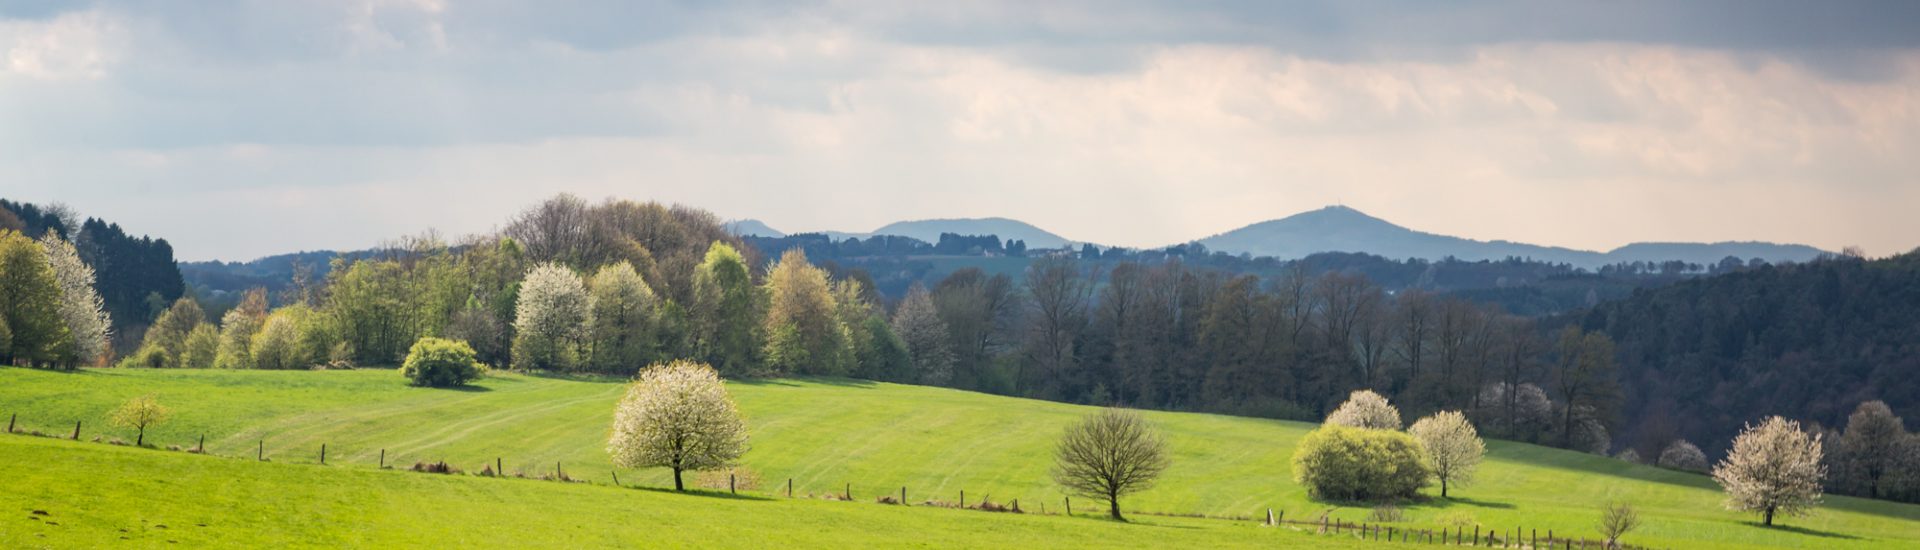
(1269,514)
(903,495)
(10,419)
(963,498)
(1476,535)
(323,454)
(616,477)
(849,491)
(76,430)
(383,458)
(789,487)
(262,453)
(203,444)
(730,489)
(498,468)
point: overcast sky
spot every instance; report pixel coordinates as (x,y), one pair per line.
(237,129)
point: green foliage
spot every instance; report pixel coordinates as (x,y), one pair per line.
(237,329)
(201,349)
(624,321)
(804,327)
(725,311)
(1340,463)
(150,357)
(30,302)
(278,345)
(440,363)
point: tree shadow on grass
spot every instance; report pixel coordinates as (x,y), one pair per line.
(467,388)
(795,382)
(1442,502)
(75,372)
(1795,529)
(699,493)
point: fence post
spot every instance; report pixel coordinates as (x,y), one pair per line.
(1269,515)
(498,468)
(1536,538)
(10,419)
(789,487)
(616,477)
(76,430)
(203,444)
(903,495)
(383,458)
(730,489)
(262,453)
(558,472)
(1282,518)
(323,454)
(963,498)
(849,491)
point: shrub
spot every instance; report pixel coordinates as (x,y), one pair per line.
(440,363)
(1365,409)
(1385,512)
(1683,455)
(150,357)
(1341,463)
(440,467)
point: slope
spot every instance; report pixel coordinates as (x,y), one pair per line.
(826,434)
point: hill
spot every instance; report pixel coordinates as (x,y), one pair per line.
(825,434)
(928,231)
(753,228)
(1343,229)
(1701,357)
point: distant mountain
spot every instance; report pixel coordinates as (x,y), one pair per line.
(1343,229)
(752,228)
(928,230)
(1006,229)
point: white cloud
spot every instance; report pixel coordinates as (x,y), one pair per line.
(72,45)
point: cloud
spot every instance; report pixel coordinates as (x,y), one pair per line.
(340,124)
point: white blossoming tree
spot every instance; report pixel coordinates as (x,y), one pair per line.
(551,319)
(1453,447)
(1683,455)
(677,416)
(1774,468)
(80,306)
(1365,409)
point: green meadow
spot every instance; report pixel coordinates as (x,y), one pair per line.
(826,435)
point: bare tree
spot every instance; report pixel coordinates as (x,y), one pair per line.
(1110,454)
(1617,521)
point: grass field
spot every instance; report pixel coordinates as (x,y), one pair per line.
(99,495)
(825,434)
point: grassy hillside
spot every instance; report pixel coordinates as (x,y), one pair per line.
(96,495)
(879,437)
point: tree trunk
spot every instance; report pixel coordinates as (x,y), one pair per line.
(1769,520)
(140,440)
(676,480)
(1113,506)
(1443,487)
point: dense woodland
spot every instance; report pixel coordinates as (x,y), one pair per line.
(610,287)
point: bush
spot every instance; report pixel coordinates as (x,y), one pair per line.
(149,357)
(440,363)
(1341,463)
(1385,512)
(1684,456)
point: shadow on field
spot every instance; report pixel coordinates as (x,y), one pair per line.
(1801,531)
(791,382)
(698,493)
(1444,502)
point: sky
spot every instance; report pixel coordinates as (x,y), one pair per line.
(237,128)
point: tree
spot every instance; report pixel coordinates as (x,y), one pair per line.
(30,301)
(237,328)
(1453,447)
(278,345)
(201,348)
(169,332)
(804,334)
(1365,409)
(1057,313)
(1773,468)
(624,320)
(551,319)
(917,322)
(1586,378)
(724,313)
(1337,462)
(440,363)
(1618,519)
(81,308)
(140,413)
(1870,449)
(679,416)
(1683,455)
(1108,455)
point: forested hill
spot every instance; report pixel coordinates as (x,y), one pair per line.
(136,276)
(1701,357)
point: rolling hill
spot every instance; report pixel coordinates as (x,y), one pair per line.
(826,434)
(1343,229)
